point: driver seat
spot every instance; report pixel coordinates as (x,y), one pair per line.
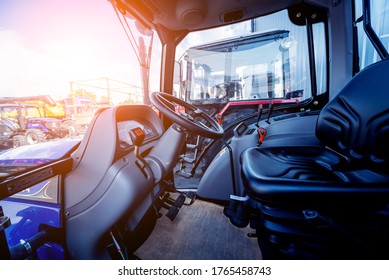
(328,201)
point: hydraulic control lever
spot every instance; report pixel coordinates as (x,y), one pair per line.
(261,131)
(261,135)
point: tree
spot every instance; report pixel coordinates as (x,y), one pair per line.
(83,93)
(105,100)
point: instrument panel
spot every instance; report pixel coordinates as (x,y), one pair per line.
(124,128)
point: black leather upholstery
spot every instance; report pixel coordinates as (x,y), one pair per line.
(352,163)
(308,177)
(331,199)
(356,122)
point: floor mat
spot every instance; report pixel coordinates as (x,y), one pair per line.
(199,232)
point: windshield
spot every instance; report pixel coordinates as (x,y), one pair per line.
(246,67)
(271,60)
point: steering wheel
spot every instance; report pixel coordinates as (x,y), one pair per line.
(192,118)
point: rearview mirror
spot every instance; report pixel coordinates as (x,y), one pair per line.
(143,29)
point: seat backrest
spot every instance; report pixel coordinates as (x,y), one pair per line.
(356,122)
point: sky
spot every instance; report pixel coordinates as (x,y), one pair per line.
(46,44)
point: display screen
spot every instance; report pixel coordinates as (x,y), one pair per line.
(240,129)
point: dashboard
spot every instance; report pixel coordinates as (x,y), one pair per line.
(124,128)
(128,117)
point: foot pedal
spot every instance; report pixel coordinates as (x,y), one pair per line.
(191,196)
(175,206)
(184,174)
(172,213)
(179,201)
(188,160)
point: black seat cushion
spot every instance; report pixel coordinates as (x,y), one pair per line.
(309,176)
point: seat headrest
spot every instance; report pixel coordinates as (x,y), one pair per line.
(356,122)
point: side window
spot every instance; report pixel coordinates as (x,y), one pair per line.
(155,64)
(379,13)
(320,57)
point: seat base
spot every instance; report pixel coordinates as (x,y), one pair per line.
(285,233)
(309,176)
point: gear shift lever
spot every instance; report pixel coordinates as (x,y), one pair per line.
(137,136)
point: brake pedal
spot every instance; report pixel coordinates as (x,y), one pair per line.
(179,201)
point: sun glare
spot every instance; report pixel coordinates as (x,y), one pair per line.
(74,58)
(55,43)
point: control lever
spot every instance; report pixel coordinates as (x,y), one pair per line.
(260,110)
(137,136)
(261,135)
(261,131)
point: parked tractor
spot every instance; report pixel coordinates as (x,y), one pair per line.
(22,124)
(49,108)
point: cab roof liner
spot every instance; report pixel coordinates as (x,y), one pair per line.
(191,15)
